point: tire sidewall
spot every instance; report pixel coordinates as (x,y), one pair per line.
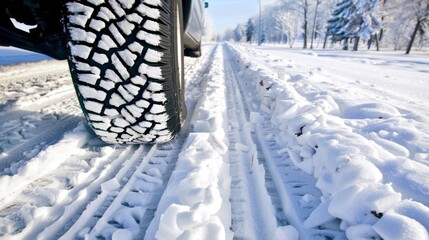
(179,56)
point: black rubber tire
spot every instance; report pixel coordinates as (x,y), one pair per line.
(126,61)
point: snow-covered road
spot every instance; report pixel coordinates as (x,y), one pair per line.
(278,144)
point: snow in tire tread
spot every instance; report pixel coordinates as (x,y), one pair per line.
(120,62)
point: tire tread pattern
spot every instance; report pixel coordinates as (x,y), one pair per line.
(123,69)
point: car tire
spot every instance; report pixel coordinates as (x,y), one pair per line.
(126,62)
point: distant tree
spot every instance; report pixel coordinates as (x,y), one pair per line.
(289,22)
(398,21)
(250,30)
(263,33)
(313,32)
(303,7)
(387,23)
(421,12)
(272,31)
(239,34)
(340,17)
(354,19)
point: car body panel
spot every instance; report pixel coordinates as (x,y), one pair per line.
(194,23)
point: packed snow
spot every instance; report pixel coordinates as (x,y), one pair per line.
(279,143)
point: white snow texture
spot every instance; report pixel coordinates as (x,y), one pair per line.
(279,144)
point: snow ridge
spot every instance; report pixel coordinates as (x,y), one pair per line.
(193,205)
(346,164)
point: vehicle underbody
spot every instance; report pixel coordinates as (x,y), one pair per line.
(46,37)
(46,33)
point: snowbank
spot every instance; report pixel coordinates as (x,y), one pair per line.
(348,166)
(194,205)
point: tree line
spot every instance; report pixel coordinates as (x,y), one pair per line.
(397,24)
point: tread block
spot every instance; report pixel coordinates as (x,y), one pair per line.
(114,31)
(117,8)
(135,111)
(93,106)
(116,100)
(126,27)
(91,93)
(106,14)
(127,4)
(149,12)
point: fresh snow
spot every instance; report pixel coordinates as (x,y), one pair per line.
(279,143)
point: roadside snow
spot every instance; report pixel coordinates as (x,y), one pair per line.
(363,183)
(43,163)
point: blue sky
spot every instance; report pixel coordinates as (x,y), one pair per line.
(228,13)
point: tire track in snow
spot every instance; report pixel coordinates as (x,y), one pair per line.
(132,208)
(27,88)
(100,192)
(69,188)
(36,187)
(351,185)
(292,192)
(36,110)
(87,184)
(25,136)
(138,200)
(253,216)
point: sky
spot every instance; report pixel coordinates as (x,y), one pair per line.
(228,13)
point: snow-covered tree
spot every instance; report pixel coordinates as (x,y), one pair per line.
(400,19)
(387,23)
(289,23)
(365,23)
(314,27)
(354,19)
(239,33)
(281,22)
(250,30)
(421,14)
(396,25)
(340,17)
(303,6)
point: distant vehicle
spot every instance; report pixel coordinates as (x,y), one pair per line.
(125,58)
